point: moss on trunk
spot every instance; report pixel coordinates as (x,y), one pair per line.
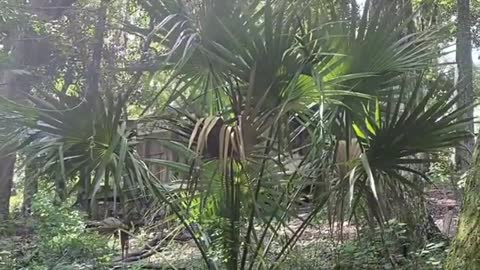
(465,251)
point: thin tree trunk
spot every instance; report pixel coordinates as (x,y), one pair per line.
(30,188)
(7,166)
(408,7)
(94,69)
(82,196)
(93,82)
(463,152)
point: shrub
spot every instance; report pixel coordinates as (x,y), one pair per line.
(389,249)
(63,242)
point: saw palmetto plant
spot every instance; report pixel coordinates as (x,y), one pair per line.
(246,72)
(83,146)
(393,136)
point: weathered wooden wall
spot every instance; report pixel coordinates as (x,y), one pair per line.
(149,147)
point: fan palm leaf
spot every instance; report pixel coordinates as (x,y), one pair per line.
(396,131)
(70,139)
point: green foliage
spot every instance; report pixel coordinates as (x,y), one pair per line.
(442,170)
(63,242)
(317,254)
(16,202)
(389,248)
(409,124)
(60,145)
(7,260)
(54,238)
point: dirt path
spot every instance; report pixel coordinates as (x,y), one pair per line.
(444,207)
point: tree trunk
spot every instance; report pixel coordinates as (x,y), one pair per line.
(28,50)
(465,251)
(93,71)
(16,86)
(7,165)
(29,190)
(463,152)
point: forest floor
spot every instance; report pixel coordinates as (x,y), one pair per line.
(442,202)
(317,241)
